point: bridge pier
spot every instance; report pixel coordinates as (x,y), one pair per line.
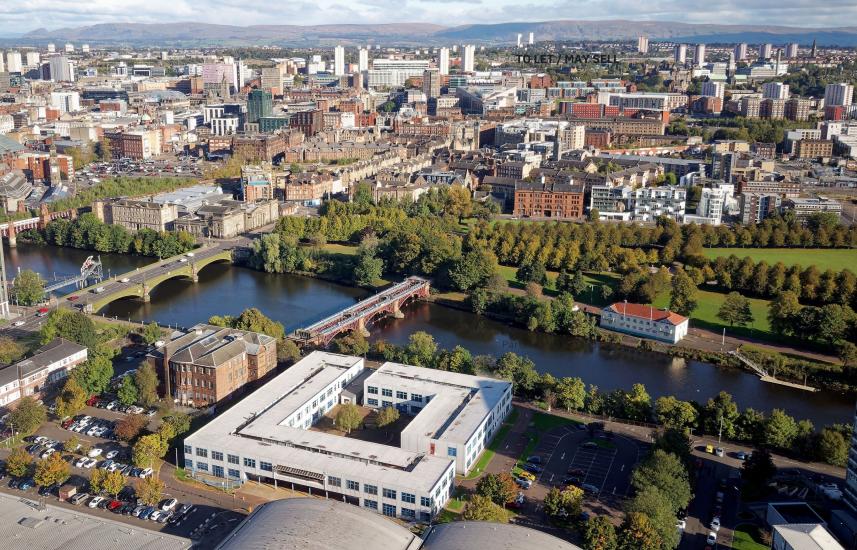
(397,310)
(194,274)
(12,235)
(361,327)
(146,297)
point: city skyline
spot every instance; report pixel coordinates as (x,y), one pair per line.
(21,17)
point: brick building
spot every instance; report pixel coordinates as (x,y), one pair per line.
(541,200)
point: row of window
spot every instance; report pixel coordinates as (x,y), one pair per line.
(369,489)
(390,510)
(387,392)
(231,459)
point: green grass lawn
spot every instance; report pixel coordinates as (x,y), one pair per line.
(594,279)
(836,259)
(488,454)
(335,248)
(705,315)
(746,537)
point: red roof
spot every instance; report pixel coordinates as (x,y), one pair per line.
(643,311)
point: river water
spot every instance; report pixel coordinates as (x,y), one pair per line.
(297,301)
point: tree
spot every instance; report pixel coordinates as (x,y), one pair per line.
(721,412)
(52,471)
(387,416)
(353,343)
(473,270)
(735,310)
(127,392)
(71,325)
(369,266)
(178,422)
(348,417)
(18,462)
(71,444)
(96,480)
(500,488)
(481,508)
(675,441)
(71,400)
(152,333)
(833,447)
(95,373)
(573,283)
(654,505)
(783,313)
(28,288)
(10,350)
(288,352)
(147,449)
(599,534)
(130,426)
(421,349)
(113,483)
(756,472)
(847,353)
(255,321)
(683,294)
(146,380)
(27,416)
(780,429)
(150,490)
(638,533)
(665,472)
(571,393)
(675,413)
(534,272)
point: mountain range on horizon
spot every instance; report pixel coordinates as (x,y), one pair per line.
(206,34)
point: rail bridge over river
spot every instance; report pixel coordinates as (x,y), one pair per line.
(361,314)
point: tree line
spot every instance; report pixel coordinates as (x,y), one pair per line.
(89,233)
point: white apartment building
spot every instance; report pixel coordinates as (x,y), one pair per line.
(649,203)
(765,51)
(363,60)
(268,435)
(13,61)
(741,52)
(792,50)
(775,90)
(443,60)
(711,205)
(65,102)
(642,44)
(680,54)
(713,89)
(393,72)
(468,58)
(48,366)
(699,55)
(644,320)
(838,94)
(339,61)
(225,126)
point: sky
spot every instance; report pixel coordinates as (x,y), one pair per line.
(21,16)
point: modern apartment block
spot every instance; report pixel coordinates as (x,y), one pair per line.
(269,435)
(46,368)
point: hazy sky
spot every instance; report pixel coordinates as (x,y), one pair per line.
(19,16)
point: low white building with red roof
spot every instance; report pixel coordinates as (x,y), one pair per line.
(644,321)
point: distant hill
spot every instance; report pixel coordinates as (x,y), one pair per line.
(202,34)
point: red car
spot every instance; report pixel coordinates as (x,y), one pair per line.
(114,505)
(42,312)
(73,298)
(92,401)
(67,422)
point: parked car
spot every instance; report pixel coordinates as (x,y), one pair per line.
(523,483)
(590,445)
(715,524)
(534,459)
(589,488)
(81,462)
(26,485)
(681,525)
(90,463)
(96,500)
(145,473)
(527,475)
(712,538)
(741,455)
(169,504)
(115,505)
(154,515)
(111,454)
(79,498)
(533,468)
(576,472)
(95,451)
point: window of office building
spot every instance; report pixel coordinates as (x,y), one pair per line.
(386,392)
(202,466)
(372,389)
(217,455)
(408,513)
(334,481)
(266,466)
(352,485)
(416,397)
(401,395)
(188,450)
(373,504)
(425,501)
(217,470)
(409,498)
(386,404)
(232,459)
(234,473)
(250,463)
(370,489)
(372,402)
(451,451)
(202,452)
(389,493)
(389,510)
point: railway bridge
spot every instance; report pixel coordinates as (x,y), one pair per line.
(363,313)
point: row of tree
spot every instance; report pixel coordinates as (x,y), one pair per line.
(89,233)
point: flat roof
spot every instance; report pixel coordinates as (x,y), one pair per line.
(255,427)
(796,512)
(23,525)
(807,536)
(459,404)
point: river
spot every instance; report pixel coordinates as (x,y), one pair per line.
(297,301)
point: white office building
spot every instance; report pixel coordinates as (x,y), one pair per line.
(225,126)
(792,50)
(765,51)
(443,60)
(642,44)
(394,72)
(468,59)
(709,210)
(775,90)
(34,59)
(339,61)
(741,52)
(531,40)
(61,69)
(838,94)
(268,436)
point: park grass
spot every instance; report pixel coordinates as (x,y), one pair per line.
(705,315)
(488,454)
(591,296)
(336,248)
(746,537)
(836,259)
